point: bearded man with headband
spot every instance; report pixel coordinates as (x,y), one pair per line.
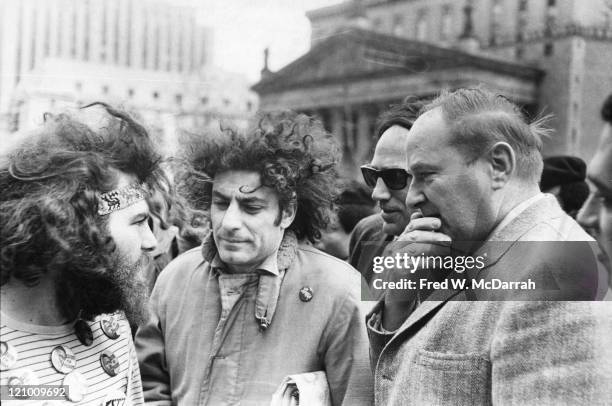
(75,240)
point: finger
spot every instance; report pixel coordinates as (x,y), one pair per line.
(423,236)
(424,223)
(417,214)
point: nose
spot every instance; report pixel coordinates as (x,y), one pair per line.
(588,215)
(415,197)
(149,242)
(380,191)
(232,217)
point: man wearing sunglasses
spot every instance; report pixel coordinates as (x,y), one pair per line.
(389,182)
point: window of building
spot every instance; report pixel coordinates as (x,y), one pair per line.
(377,24)
(204,100)
(78,86)
(86,30)
(548,49)
(249,106)
(156,95)
(447,23)
(145,43)
(103,18)
(519,52)
(116,22)
(398,25)
(421,26)
(496,14)
(179,99)
(105,89)
(523,5)
(73,33)
(552,3)
(130,93)
(226,102)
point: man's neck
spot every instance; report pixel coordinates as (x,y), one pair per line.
(33,305)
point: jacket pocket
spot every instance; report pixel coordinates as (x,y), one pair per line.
(450,379)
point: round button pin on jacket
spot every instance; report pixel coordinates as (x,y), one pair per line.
(63,359)
(21,377)
(8,356)
(306,294)
(110,326)
(77,386)
(110,363)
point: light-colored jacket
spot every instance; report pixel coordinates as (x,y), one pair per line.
(204,346)
(456,352)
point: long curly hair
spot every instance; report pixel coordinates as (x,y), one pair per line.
(292,152)
(50,183)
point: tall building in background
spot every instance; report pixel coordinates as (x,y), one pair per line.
(149,56)
(550,55)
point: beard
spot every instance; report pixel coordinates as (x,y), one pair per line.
(120,287)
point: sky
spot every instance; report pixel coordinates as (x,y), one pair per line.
(242,29)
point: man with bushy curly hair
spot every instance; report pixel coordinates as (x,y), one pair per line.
(254,304)
(75,241)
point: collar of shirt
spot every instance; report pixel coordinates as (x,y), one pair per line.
(271,274)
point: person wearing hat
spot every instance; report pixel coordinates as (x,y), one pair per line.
(564,177)
(75,242)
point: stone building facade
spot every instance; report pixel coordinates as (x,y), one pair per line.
(150,56)
(550,56)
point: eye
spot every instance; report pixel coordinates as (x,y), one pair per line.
(252,209)
(143,220)
(220,204)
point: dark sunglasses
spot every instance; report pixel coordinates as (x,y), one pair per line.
(394,178)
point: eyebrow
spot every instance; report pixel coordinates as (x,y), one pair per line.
(140,216)
(241,199)
(420,167)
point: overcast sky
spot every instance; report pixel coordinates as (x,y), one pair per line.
(243,28)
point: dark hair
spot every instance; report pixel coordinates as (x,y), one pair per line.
(354,203)
(50,185)
(606,110)
(402,114)
(292,153)
(478,118)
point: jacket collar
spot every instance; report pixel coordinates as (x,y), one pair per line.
(284,258)
(271,274)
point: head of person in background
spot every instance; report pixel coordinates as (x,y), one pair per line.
(386,173)
(353,204)
(75,235)
(596,214)
(564,177)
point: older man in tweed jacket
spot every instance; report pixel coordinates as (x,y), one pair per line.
(475,164)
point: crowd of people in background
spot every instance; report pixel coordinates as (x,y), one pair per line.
(244,269)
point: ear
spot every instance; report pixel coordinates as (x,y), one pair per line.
(502,159)
(287,215)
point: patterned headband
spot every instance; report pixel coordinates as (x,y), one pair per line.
(118,199)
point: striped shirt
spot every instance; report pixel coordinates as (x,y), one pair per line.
(34,344)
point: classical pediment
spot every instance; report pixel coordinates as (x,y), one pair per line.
(357,54)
